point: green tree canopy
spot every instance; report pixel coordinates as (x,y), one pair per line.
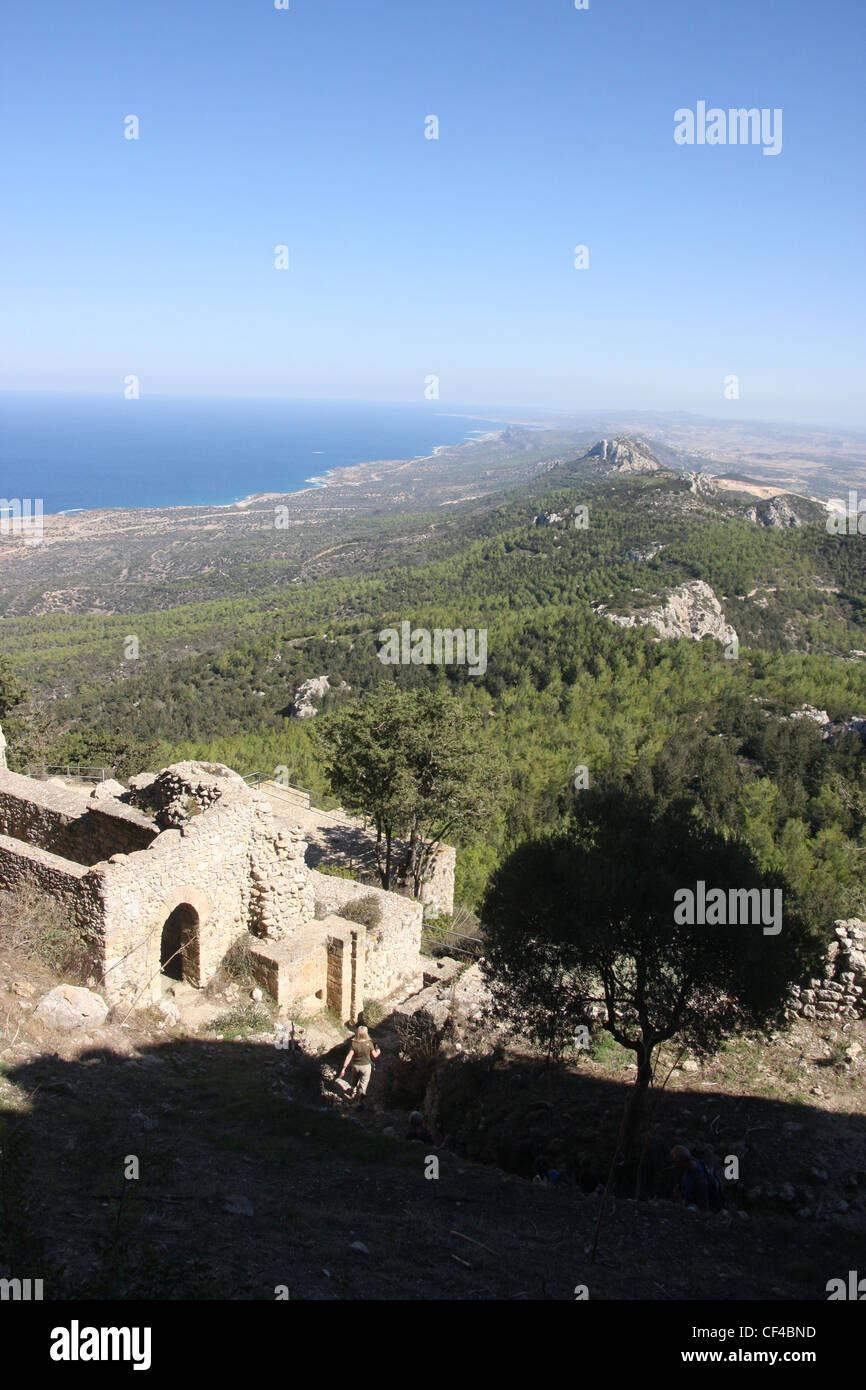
(583,925)
(11,690)
(416,763)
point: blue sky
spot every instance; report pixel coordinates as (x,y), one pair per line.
(452,257)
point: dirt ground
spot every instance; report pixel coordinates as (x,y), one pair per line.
(249,1181)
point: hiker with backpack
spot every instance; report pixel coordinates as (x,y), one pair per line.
(698,1185)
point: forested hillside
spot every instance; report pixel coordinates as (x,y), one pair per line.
(562,688)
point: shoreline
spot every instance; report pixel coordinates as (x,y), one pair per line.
(332,477)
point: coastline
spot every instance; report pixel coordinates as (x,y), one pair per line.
(341,475)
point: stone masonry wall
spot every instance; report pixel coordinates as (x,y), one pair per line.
(233,865)
(25,866)
(281,891)
(437,890)
(839,991)
(72,887)
(67,822)
(393,947)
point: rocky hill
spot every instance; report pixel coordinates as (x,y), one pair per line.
(624,456)
(690,610)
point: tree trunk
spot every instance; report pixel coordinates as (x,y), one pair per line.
(637,1103)
(386,882)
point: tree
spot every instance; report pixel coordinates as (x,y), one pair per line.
(122,754)
(11,690)
(414,762)
(583,926)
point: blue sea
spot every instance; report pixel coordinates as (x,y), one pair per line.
(162,451)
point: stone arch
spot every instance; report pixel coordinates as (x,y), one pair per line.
(179,946)
(179,942)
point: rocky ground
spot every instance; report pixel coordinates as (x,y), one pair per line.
(250,1178)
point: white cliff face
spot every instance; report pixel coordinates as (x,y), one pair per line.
(3,767)
(313,690)
(690,610)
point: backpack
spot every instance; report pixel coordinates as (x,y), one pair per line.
(715,1191)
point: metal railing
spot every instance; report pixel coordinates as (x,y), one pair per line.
(85,771)
(315,801)
(434,937)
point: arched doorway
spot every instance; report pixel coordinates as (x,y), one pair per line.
(178,949)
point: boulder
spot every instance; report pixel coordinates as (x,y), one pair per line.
(442,971)
(69,1007)
(107,790)
(304,704)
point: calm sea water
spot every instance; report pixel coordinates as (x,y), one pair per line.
(99,451)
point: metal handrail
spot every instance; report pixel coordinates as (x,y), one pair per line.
(83,770)
(255,779)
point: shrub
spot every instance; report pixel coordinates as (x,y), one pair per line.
(236,967)
(406,1083)
(374,1012)
(44,930)
(365,910)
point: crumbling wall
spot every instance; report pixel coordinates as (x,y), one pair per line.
(281,891)
(393,946)
(437,889)
(67,823)
(839,990)
(182,790)
(234,865)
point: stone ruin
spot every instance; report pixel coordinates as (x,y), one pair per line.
(163,879)
(839,991)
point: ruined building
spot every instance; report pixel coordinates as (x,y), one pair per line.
(164,878)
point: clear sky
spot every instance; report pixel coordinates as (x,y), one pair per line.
(411,257)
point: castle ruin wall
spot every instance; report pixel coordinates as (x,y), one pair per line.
(393,946)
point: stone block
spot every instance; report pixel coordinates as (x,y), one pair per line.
(441,971)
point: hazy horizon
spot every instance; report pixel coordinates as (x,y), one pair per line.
(470,408)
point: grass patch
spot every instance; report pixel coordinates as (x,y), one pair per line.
(242,1020)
